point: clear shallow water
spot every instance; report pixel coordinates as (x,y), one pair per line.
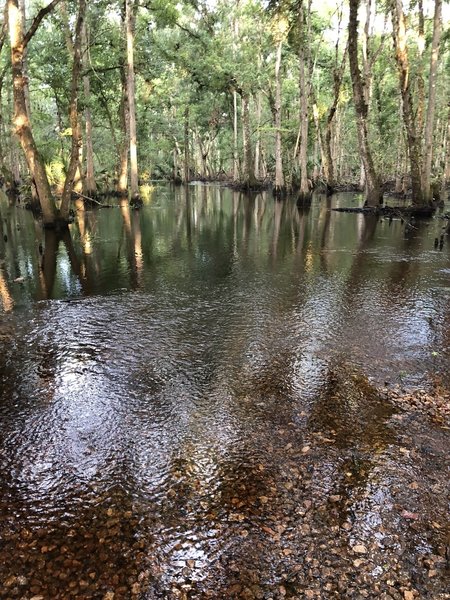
(156,365)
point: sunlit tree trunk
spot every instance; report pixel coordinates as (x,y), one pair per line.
(73,114)
(23,17)
(429,125)
(90,184)
(401,55)
(279,188)
(21,120)
(373,191)
(122,185)
(131,88)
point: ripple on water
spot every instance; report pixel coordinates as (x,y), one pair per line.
(162,435)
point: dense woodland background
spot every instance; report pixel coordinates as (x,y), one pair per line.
(105,96)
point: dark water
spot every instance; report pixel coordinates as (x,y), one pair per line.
(164,370)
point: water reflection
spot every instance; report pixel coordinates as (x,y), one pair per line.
(157,423)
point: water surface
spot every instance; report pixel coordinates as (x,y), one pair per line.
(165,373)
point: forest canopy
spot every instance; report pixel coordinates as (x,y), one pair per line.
(104,96)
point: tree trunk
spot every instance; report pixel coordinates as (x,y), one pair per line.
(250,180)
(328,163)
(235,33)
(419,72)
(429,125)
(23,18)
(235,138)
(445,178)
(398,168)
(321,150)
(304,105)
(4,170)
(73,115)
(78,181)
(122,186)
(401,56)
(373,191)
(279,189)
(186,145)
(22,126)
(90,184)
(130,27)
(258,139)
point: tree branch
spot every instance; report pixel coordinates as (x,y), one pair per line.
(37,21)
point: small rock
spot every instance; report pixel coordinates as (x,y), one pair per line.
(136,588)
(410,515)
(360,549)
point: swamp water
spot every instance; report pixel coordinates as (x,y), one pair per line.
(186,406)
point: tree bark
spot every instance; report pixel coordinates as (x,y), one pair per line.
(250,180)
(235,33)
(445,177)
(419,72)
(131,89)
(122,185)
(373,192)
(5,172)
(90,184)
(279,176)
(401,56)
(23,17)
(258,139)
(21,121)
(328,163)
(429,125)
(304,105)
(73,114)
(186,146)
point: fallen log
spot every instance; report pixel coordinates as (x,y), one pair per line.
(418,212)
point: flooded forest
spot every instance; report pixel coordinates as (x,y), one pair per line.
(224,299)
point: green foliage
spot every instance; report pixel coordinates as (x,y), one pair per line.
(195,56)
